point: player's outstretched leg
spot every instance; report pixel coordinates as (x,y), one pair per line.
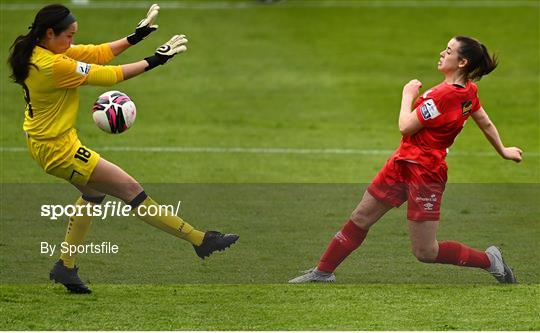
(69,278)
(348,239)
(342,244)
(205,243)
(499,269)
(111,179)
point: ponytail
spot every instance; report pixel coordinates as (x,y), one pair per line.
(56,17)
(19,59)
(480,62)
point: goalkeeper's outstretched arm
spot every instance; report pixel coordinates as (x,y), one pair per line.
(144,28)
(176,45)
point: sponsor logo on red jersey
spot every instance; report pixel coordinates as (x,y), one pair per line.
(466,108)
(429,110)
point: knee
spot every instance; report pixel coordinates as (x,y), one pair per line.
(427,254)
(131,190)
(361,219)
(135,188)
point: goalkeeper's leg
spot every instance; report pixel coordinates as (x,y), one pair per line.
(111,179)
(163,219)
(64,270)
(79,226)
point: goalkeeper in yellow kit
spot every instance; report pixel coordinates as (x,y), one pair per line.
(50,69)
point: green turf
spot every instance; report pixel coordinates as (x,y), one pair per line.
(282,76)
(273,307)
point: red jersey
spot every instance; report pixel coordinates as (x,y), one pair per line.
(443,111)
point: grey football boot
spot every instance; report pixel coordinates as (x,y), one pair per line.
(499,269)
(314,275)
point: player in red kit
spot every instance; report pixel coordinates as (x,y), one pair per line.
(417,172)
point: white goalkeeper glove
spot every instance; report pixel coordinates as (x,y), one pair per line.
(145,27)
(164,53)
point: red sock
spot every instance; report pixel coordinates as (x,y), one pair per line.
(344,242)
(455,253)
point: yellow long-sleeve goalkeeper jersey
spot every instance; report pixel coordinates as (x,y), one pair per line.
(51,88)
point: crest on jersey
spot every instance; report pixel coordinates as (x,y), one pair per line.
(466,108)
(429,110)
(82,68)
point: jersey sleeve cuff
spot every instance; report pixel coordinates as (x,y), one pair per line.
(119,73)
(108,53)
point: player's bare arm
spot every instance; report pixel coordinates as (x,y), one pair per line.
(492,135)
(119,46)
(408,121)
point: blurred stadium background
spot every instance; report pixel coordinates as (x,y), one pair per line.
(270,126)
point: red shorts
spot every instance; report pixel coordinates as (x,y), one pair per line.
(400,181)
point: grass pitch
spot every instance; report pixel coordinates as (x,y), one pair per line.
(273,307)
(293,75)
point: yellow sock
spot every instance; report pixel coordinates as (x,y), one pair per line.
(76,232)
(168,222)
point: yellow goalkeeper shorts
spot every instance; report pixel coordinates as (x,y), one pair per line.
(64,157)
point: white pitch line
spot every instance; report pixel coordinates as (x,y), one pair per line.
(282,151)
(212,5)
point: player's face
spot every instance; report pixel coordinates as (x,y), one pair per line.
(449,60)
(61,42)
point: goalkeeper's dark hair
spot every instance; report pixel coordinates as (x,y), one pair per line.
(480,62)
(55,16)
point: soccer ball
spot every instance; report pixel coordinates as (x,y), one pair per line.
(114,112)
